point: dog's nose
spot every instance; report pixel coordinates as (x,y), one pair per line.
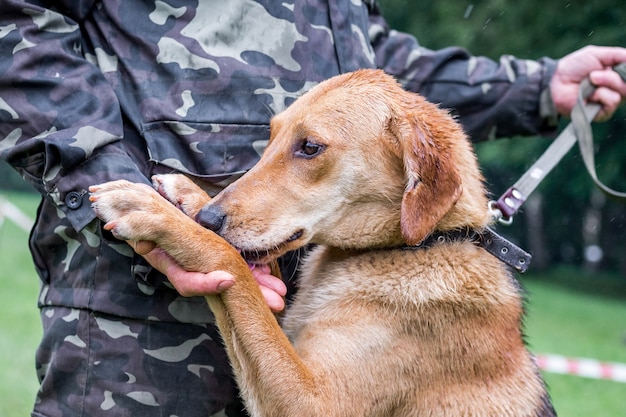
(211,217)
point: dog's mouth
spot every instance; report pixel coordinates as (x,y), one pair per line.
(265,255)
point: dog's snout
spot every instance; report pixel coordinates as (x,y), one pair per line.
(211,217)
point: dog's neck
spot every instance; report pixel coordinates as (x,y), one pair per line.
(487,238)
(455,235)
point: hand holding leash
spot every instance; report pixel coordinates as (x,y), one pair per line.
(578,130)
(595,63)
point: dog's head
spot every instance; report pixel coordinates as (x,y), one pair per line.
(357,162)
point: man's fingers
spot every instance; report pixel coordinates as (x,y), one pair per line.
(142,246)
(158,259)
(610,91)
(272,288)
(610,79)
(275,302)
(189,284)
(608,55)
(610,101)
(264,279)
(210,283)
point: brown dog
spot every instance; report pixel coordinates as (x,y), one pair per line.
(381,326)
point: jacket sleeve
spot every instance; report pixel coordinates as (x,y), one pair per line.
(491,99)
(60,122)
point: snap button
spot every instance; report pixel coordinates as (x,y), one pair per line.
(74,200)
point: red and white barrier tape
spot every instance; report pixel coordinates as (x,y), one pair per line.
(589,368)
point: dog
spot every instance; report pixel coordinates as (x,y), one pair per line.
(399,311)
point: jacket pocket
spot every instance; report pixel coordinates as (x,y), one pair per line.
(212,151)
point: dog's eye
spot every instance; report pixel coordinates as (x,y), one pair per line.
(309,149)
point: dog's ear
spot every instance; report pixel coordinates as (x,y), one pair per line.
(433,181)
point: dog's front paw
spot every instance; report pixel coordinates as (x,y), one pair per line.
(131,210)
(182,192)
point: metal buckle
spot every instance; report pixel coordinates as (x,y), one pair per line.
(495,212)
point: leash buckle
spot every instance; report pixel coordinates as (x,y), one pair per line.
(510,202)
(494,210)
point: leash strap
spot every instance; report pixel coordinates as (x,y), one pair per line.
(581,120)
(578,130)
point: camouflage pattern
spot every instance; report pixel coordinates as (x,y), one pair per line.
(135,368)
(96,91)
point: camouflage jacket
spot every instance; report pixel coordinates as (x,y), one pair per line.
(96,91)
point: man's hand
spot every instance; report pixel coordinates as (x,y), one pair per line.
(595,62)
(190,284)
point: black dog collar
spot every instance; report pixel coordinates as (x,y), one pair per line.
(488,239)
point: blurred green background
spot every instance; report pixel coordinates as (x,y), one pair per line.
(566,216)
(576,303)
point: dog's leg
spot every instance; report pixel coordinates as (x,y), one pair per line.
(189,198)
(272,378)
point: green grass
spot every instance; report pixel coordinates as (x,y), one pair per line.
(578,324)
(20,329)
(569,313)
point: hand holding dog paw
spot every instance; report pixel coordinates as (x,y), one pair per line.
(189,284)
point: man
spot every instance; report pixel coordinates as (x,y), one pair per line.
(97,91)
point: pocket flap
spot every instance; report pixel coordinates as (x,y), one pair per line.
(206,150)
